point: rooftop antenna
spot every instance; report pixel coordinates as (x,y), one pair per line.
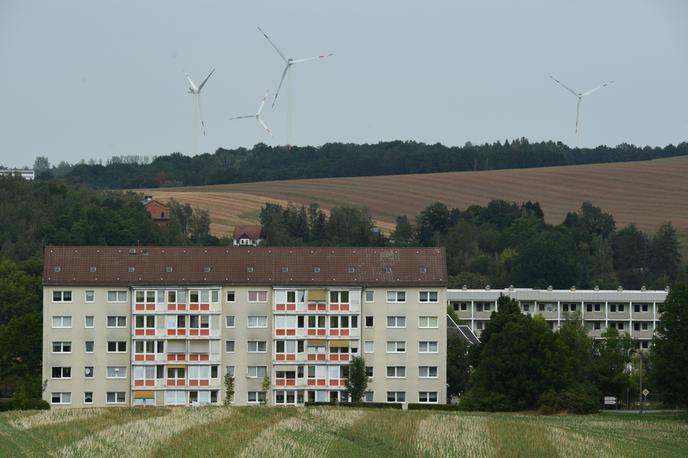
(579,96)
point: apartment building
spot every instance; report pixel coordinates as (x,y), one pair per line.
(629,311)
(163,325)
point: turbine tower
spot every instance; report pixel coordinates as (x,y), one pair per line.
(197,112)
(257,115)
(289,62)
(579,96)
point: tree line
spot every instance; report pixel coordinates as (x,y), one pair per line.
(263,162)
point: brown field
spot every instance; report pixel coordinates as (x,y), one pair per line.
(645,193)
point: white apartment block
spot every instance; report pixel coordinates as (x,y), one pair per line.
(163,325)
(629,311)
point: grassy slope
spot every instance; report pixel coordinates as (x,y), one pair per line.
(334,432)
(646,193)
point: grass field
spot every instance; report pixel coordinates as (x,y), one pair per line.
(647,193)
(343,432)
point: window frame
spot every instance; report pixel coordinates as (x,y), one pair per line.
(117,299)
(429,344)
(62,320)
(257,342)
(428,295)
(429,319)
(93,296)
(396,293)
(62,293)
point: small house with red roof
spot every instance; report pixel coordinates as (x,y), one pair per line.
(158,211)
(247,235)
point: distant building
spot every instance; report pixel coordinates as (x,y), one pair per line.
(247,235)
(26,174)
(158,211)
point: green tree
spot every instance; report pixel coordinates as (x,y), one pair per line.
(265,387)
(665,257)
(20,346)
(612,354)
(41,164)
(669,355)
(549,258)
(431,221)
(403,233)
(229,389)
(630,256)
(458,366)
(357,383)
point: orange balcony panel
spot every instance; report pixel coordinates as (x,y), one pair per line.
(205,332)
(334,306)
(334,357)
(291,307)
(140,307)
(181,307)
(312,307)
(138,383)
(171,306)
(312,332)
(312,357)
(181,383)
(138,357)
(205,307)
(344,307)
(311,381)
(181,357)
(280,382)
(205,382)
(280,332)
(171,357)
(334,382)
(321,332)
(291,357)
(193,332)
(171,332)
(280,307)
(322,307)
(181,332)
(321,357)
(279,357)
(321,382)
(150,357)
(150,332)
(344,357)
(150,382)
(193,383)
(344,332)
(334,332)
(204,357)
(150,306)
(291,332)
(291,382)
(193,357)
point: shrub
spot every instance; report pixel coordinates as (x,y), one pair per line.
(26,404)
(484,400)
(374,405)
(577,399)
(433,407)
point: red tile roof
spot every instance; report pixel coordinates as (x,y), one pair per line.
(107,265)
(252,232)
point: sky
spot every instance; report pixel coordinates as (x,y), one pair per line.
(85,79)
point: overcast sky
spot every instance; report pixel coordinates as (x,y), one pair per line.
(85,79)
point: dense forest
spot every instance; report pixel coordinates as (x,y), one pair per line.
(263,163)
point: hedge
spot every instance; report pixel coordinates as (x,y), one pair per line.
(433,407)
(374,405)
(27,404)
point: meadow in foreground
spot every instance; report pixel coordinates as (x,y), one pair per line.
(326,431)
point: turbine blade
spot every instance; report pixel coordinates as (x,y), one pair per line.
(284,73)
(306,59)
(205,80)
(564,86)
(264,126)
(262,103)
(577,114)
(200,113)
(284,58)
(193,86)
(241,117)
(596,89)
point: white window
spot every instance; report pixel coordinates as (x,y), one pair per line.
(396,321)
(89,321)
(427,296)
(257,322)
(144,372)
(116,397)
(231,296)
(62,296)
(396,346)
(427,321)
(370,296)
(61,372)
(62,347)
(117,322)
(88,397)
(368,346)
(257,346)
(114,346)
(199,372)
(286,322)
(427,397)
(230,371)
(61,398)
(257,296)
(396,396)
(230,321)
(396,371)
(175,398)
(214,296)
(255,397)
(256,371)
(229,346)
(116,372)
(116,296)
(427,371)
(396,296)
(427,346)
(62,322)
(89,296)
(199,321)
(88,372)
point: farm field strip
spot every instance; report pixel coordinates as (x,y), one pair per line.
(646,193)
(327,431)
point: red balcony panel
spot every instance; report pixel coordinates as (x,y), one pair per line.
(181,357)
(291,307)
(279,382)
(181,307)
(280,307)
(321,382)
(140,307)
(291,382)
(334,382)
(334,306)
(171,332)
(150,382)
(171,383)
(334,332)
(344,332)
(138,357)
(291,357)
(193,383)
(138,382)
(321,357)
(279,357)
(344,307)
(321,332)
(150,357)
(311,381)
(311,332)
(193,332)
(205,332)
(205,382)
(171,357)
(291,332)
(171,306)
(204,357)
(150,332)
(322,307)
(280,332)
(334,357)
(312,307)
(193,306)
(181,332)
(311,357)
(181,383)
(205,307)
(344,357)
(193,357)
(150,307)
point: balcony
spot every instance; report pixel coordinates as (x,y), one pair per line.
(285,357)
(287,332)
(288,307)
(145,332)
(144,307)
(149,357)
(342,307)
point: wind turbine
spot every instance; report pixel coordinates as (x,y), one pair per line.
(257,115)
(289,62)
(198,113)
(580,96)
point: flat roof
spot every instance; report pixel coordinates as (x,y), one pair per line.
(559,295)
(197,265)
